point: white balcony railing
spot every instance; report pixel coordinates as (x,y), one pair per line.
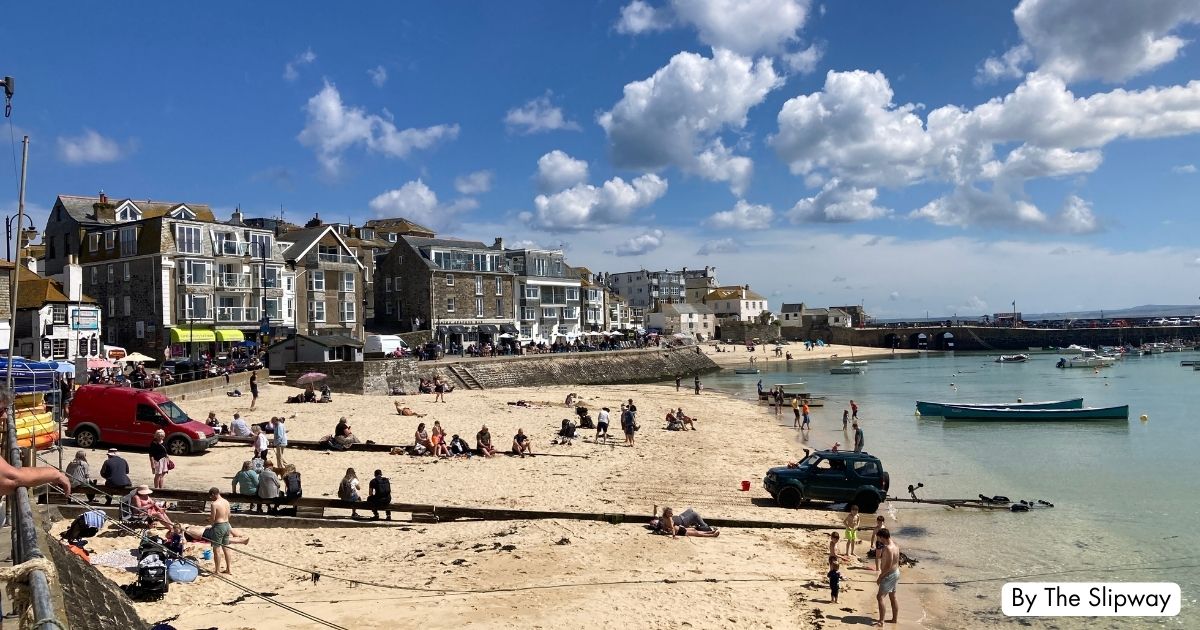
(335,257)
(237,313)
(232,248)
(235,280)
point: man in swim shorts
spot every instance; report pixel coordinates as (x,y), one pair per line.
(219,530)
(889,575)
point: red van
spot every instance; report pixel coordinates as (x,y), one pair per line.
(124,416)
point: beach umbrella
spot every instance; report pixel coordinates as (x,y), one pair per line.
(97,364)
(507,336)
(137,357)
(310,377)
(62,367)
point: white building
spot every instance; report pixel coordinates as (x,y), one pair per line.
(696,320)
(56,321)
(738,303)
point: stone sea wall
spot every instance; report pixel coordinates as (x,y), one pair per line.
(579,368)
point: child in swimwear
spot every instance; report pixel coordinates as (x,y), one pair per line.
(833,543)
(851,522)
(835,578)
(876,543)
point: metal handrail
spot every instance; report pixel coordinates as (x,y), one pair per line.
(25,539)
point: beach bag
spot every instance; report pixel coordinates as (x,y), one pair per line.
(170,464)
(182,571)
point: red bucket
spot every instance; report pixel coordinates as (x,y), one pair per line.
(745,486)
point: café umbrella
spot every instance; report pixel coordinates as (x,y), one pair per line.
(137,357)
(310,377)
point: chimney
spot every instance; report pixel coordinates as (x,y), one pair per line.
(236,217)
(73,279)
(314,222)
(103,197)
(499,244)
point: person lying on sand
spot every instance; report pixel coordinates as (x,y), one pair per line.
(197,534)
(405,411)
(688,523)
(525,403)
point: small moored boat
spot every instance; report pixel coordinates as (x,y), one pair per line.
(952,412)
(849,367)
(936,409)
(746,371)
(1012,358)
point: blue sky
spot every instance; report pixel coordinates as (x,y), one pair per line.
(821,152)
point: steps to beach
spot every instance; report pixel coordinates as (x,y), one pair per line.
(465,377)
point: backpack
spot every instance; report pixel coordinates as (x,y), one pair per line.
(383,489)
(292,482)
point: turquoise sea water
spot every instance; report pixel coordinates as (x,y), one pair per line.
(1127,493)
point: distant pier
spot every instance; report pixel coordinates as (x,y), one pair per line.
(974,337)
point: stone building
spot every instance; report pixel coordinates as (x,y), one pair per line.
(170,279)
(6,271)
(698,283)
(548,293)
(329,282)
(647,290)
(695,320)
(737,303)
(461,291)
(56,321)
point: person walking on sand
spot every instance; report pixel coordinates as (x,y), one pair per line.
(853,410)
(254,389)
(845,420)
(678,378)
(219,530)
(795,412)
(439,389)
(602,420)
(859,440)
(889,576)
(281,441)
(806,424)
(697,384)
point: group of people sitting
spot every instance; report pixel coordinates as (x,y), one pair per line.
(434,442)
(267,487)
(434,386)
(679,421)
(309,395)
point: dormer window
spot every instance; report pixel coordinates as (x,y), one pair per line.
(183,212)
(128,212)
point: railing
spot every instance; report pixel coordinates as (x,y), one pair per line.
(335,258)
(192,315)
(25,541)
(231,248)
(237,313)
(235,280)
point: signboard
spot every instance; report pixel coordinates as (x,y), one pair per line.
(85,320)
(46,348)
(140,329)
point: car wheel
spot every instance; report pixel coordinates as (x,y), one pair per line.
(789,497)
(178,446)
(887,482)
(867,503)
(86,438)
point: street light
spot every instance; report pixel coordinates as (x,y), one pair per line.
(28,235)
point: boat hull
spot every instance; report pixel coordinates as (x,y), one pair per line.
(1036,415)
(935,409)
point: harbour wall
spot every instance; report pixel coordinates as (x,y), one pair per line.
(577,368)
(997,338)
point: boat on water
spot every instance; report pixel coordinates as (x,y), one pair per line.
(1075,349)
(1012,358)
(746,371)
(952,412)
(849,367)
(790,390)
(935,408)
(1088,359)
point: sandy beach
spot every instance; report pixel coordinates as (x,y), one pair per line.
(529,573)
(733,355)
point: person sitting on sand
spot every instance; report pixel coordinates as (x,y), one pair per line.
(673,423)
(688,523)
(684,419)
(567,432)
(571,398)
(343,435)
(438,438)
(459,447)
(405,411)
(421,438)
(483,442)
(521,444)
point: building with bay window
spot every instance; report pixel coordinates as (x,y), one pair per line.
(329,282)
(549,295)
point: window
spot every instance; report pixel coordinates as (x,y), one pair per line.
(272,307)
(533,293)
(93,275)
(125,306)
(571,312)
(187,239)
(316,310)
(291,308)
(367,234)
(58,314)
(478,307)
(499,286)
(347,282)
(347,311)
(129,241)
(112,305)
(573,295)
(93,242)
(387,307)
(449,305)
(549,313)
(183,212)
(387,285)
(197,272)
(198,307)
(125,271)
(316,280)
(289,283)
(110,239)
(478,285)
(527,313)
(260,245)
(499,307)
(449,280)
(110,273)
(58,348)
(270,279)
(391,237)
(539,266)
(558,267)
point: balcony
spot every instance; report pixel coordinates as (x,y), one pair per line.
(236,281)
(237,314)
(231,248)
(196,280)
(330,257)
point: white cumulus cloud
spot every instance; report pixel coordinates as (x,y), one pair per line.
(379,75)
(558,171)
(1011,65)
(838,202)
(1184,169)
(585,206)
(88,147)
(743,216)
(474,183)
(673,118)
(537,116)
(331,128)
(747,27)
(803,61)
(417,202)
(718,246)
(640,244)
(639,17)
(291,70)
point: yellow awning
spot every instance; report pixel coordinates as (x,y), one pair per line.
(192,335)
(228,334)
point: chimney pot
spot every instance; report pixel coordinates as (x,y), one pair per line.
(103,197)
